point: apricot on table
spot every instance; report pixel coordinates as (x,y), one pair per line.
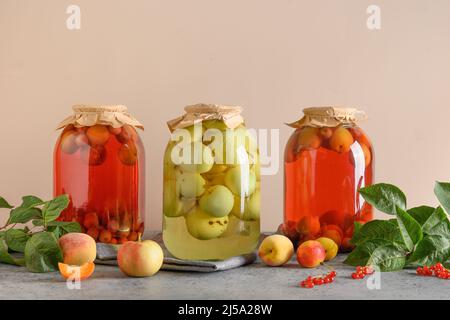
(308,226)
(77,248)
(308,137)
(90,220)
(276,250)
(310,254)
(76,272)
(330,246)
(140,259)
(341,140)
(68,142)
(105,236)
(128,154)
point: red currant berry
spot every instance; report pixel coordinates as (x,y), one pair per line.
(332,274)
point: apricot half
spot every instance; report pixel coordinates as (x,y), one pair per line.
(308,137)
(76,272)
(97,135)
(341,140)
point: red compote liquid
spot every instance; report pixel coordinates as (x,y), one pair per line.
(324,169)
(101,168)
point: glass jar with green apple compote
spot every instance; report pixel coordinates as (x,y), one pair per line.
(211,193)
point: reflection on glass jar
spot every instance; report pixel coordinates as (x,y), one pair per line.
(328,159)
(99,162)
(211,196)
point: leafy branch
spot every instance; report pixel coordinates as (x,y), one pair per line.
(37,247)
(415,237)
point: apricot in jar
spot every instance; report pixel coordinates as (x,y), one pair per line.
(128,154)
(341,140)
(128,133)
(68,142)
(97,135)
(308,137)
(93,156)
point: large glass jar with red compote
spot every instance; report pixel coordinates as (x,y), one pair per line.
(99,162)
(327,159)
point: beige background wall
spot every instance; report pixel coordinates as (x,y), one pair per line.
(272,57)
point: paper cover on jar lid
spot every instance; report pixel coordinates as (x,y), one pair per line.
(230,115)
(89,115)
(328,117)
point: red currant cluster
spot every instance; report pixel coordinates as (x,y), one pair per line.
(438,270)
(310,282)
(361,272)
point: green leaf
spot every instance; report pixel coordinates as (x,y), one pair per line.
(23,215)
(57,231)
(378,252)
(437,224)
(5,257)
(4,204)
(430,250)
(42,253)
(421,214)
(442,192)
(53,208)
(31,201)
(66,226)
(38,222)
(379,229)
(410,229)
(16,239)
(384,197)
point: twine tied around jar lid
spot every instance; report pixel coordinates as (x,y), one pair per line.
(115,116)
(329,117)
(230,115)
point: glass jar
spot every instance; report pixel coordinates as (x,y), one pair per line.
(328,159)
(211,194)
(99,162)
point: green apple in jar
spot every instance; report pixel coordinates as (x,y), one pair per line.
(203,226)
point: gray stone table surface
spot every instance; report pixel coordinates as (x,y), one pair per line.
(255,281)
